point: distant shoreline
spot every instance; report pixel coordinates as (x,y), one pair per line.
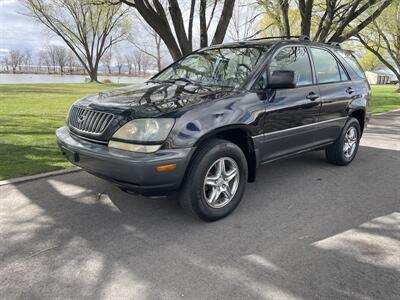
(33,78)
(145,75)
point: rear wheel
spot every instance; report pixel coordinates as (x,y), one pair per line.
(216,180)
(343,151)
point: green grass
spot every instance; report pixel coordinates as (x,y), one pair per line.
(384,98)
(30,113)
(29,116)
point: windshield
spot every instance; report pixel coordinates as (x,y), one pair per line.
(228,67)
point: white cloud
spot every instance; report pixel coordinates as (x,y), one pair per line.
(18,31)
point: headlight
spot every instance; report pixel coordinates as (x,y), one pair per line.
(142,135)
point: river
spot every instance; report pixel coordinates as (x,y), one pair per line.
(44,78)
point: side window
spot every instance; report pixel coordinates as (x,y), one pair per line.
(293,59)
(352,62)
(327,67)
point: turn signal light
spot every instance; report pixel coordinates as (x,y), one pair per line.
(165,168)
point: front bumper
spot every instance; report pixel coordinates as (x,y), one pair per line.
(131,171)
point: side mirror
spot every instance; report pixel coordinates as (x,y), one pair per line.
(281,79)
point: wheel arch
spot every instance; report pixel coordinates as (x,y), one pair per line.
(240,136)
(359,114)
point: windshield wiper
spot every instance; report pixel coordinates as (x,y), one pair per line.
(154,80)
(193,82)
(173,80)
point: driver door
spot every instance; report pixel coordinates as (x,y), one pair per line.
(291,114)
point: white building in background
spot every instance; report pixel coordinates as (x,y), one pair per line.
(378,76)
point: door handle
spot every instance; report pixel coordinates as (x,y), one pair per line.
(312,96)
(349,90)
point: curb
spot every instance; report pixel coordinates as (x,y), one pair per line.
(386,112)
(39,176)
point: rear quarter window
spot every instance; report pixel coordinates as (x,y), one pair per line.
(351,64)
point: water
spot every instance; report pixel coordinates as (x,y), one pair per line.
(44,78)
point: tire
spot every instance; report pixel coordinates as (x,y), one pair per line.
(337,153)
(199,198)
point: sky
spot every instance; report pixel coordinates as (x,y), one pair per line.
(18,31)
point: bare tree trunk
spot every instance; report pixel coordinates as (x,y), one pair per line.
(223,23)
(178,42)
(177,21)
(191,17)
(158,49)
(157,19)
(305,7)
(203,24)
(93,76)
(285,16)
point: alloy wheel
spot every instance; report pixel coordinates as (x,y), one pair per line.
(221,182)
(350,142)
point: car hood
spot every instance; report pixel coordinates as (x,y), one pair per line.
(154,99)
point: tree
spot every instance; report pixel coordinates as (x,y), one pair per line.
(44,60)
(382,38)
(129,60)
(89,29)
(28,59)
(170,26)
(6,62)
(52,57)
(107,61)
(60,57)
(152,49)
(369,61)
(119,59)
(72,62)
(243,23)
(324,21)
(15,58)
(138,55)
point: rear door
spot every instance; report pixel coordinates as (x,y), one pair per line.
(336,92)
(291,114)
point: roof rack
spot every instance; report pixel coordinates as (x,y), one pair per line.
(283,37)
(334,44)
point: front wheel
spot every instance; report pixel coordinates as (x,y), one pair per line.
(343,151)
(216,180)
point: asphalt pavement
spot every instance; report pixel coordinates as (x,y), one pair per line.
(305,230)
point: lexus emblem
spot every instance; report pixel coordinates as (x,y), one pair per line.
(81,118)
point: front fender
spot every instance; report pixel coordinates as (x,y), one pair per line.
(243,111)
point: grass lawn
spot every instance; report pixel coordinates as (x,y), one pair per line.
(30,113)
(384,98)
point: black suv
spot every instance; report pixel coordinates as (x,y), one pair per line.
(205,123)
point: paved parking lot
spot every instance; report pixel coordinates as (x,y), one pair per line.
(305,230)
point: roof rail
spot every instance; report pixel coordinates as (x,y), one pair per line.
(334,44)
(304,38)
(283,37)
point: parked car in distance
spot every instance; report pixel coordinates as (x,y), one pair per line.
(203,125)
(393,81)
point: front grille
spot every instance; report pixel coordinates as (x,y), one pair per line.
(89,121)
